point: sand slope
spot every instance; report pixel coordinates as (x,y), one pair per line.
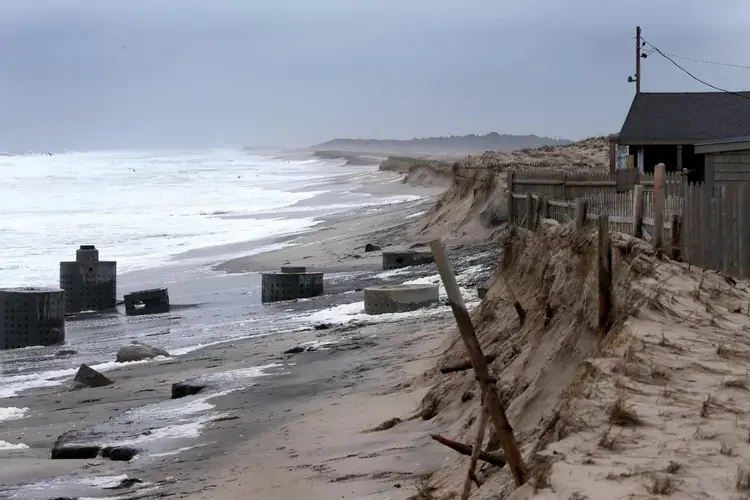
(659,406)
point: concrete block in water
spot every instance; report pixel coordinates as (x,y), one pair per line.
(293,269)
(395,259)
(384,299)
(89,284)
(290,286)
(153,301)
(31,317)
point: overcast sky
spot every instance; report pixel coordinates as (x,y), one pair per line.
(93,74)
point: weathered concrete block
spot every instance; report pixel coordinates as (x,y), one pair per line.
(31,316)
(290,286)
(395,259)
(293,269)
(89,284)
(384,299)
(153,301)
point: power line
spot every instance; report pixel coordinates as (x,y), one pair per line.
(708,62)
(665,56)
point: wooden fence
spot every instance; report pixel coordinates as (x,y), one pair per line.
(558,185)
(716,230)
(697,227)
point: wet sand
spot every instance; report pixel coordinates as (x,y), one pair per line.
(296,429)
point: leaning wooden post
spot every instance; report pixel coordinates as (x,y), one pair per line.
(659,175)
(675,237)
(481,369)
(580,214)
(638,211)
(511,175)
(605,276)
(529,210)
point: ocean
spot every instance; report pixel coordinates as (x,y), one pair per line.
(143,208)
(167,218)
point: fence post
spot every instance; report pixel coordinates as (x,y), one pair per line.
(659,174)
(564,186)
(511,174)
(543,207)
(605,276)
(529,210)
(675,237)
(580,214)
(638,211)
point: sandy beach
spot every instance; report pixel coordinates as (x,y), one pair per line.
(332,403)
(265,426)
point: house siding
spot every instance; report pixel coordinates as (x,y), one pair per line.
(730,167)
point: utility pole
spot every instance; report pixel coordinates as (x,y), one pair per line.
(637,60)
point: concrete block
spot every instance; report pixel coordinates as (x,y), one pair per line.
(395,259)
(482,291)
(383,299)
(31,317)
(155,301)
(289,286)
(293,269)
(89,284)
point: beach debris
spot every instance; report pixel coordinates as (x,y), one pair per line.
(466,364)
(281,286)
(295,350)
(31,317)
(139,352)
(385,299)
(397,259)
(323,326)
(371,248)
(466,449)
(65,353)
(388,424)
(154,301)
(471,342)
(63,450)
(187,388)
(125,484)
(90,284)
(87,377)
(119,453)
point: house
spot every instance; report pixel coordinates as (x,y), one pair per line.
(726,161)
(664,127)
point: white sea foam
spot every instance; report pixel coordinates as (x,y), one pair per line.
(158,204)
(14,384)
(4,445)
(11,413)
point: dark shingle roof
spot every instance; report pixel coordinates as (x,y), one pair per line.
(691,116)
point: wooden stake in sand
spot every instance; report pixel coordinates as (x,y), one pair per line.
(516,303)
(489,391)
(470,475)
(605,276)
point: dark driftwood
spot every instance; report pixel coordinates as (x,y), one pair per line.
(465,449)
(466,364)
(481,369)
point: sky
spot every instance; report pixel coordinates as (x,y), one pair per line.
(132,74)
